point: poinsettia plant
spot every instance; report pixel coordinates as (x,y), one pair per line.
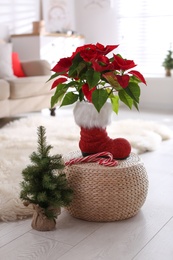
(91,75)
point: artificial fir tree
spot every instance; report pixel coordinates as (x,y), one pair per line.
(168,63)
(45,184)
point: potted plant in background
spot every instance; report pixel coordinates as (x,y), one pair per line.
(45,185)
(91,78)
(168,63)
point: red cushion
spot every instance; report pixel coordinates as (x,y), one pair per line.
(17,68)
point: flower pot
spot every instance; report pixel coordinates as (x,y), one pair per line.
(93,135)
(168,73)
(42,223)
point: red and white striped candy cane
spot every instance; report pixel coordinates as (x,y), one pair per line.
(95,158)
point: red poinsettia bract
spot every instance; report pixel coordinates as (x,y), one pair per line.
(63,65)
(102,64)
(138,75)
(105,50)
(58,81)
(123,64)
(123,80)
(88,92)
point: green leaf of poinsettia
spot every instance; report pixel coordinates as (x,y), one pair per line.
(135,105)
(55,75)
(125,98)
(74,66)
(133,91)
(92,78)
(81,95)
(55,99)
(99,97)
(60,91)
(80,67)
(111,79)
(69,99)
(115,103)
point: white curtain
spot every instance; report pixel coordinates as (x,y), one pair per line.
(145,31)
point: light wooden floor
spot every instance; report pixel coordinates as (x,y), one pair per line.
(147,236)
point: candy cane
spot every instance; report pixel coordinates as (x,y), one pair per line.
(95,158)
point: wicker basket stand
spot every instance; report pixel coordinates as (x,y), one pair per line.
(103,193)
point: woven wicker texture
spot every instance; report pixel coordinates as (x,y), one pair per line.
(103,193)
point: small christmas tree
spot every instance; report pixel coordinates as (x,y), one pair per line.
(168,63)
(45,184)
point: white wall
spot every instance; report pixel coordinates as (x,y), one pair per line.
(96,23)
(58,15)
(157,95)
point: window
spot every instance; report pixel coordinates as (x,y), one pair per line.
(145,31)
(18,15)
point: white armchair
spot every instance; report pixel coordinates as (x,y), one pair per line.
(26,94)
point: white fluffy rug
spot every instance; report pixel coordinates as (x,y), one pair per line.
(18,140)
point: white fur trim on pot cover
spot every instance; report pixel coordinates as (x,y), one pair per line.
(86,115)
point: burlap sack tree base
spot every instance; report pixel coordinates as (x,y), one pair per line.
(41,222)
